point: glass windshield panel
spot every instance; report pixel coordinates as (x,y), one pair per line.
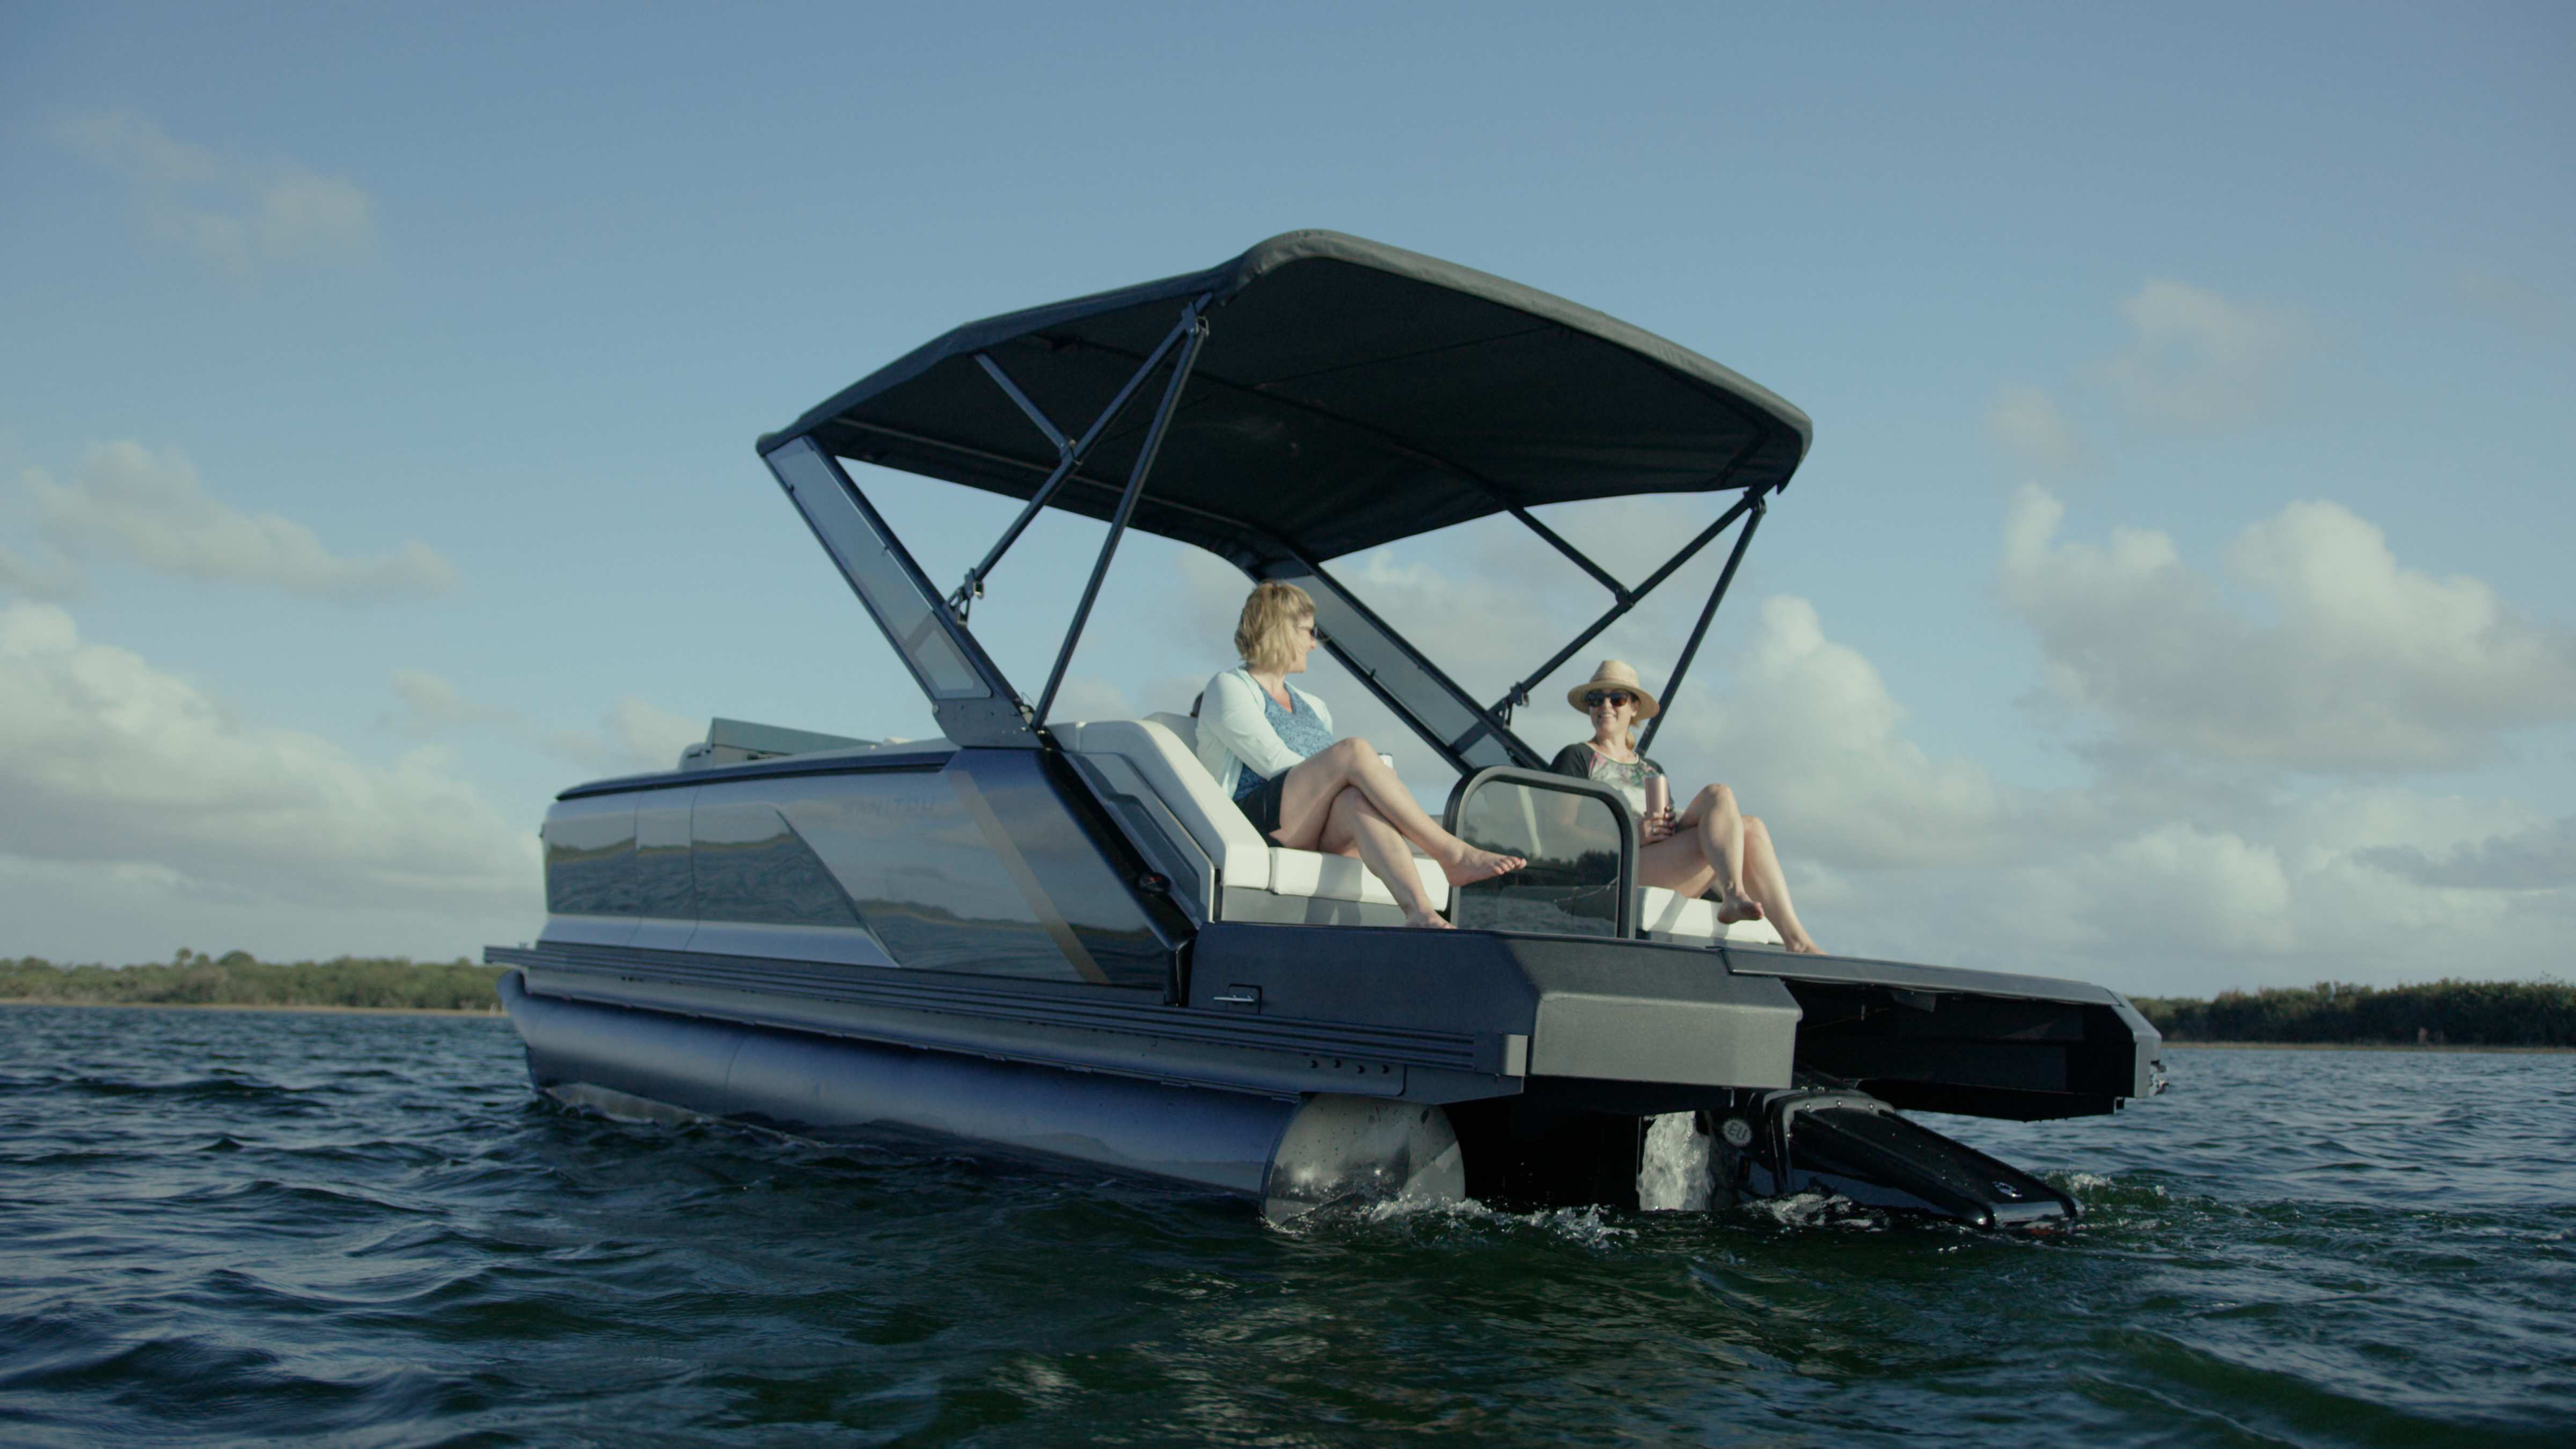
(1572,841)
(912,620)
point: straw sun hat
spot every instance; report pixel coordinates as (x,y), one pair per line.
(1615,674)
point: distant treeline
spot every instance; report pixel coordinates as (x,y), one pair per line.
(237,978)
(2456,1013)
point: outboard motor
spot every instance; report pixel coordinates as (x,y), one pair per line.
(1850,1144)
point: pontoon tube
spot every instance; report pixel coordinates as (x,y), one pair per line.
(1293,1154)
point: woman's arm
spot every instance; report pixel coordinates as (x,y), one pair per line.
(1233,717)
(1575,760)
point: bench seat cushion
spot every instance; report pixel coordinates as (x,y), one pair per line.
(1670,917)
(1343,878)
(1163,748)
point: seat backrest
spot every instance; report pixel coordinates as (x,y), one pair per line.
(1168,760)
(1183,727)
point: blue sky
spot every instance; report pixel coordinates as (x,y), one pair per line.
(2175,593)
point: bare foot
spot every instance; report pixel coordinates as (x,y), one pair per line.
(1475,865)
(1427,921)
(1734,908)
(1804,946)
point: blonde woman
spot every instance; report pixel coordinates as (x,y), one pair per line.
(1270,746)
(1710,845)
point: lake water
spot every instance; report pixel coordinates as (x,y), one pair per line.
(218,1227)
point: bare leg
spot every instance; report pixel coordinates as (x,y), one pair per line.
(1765,883)
(1718,826)
(1676,864)
(1306,804)
(1355,828)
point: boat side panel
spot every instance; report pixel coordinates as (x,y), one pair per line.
(748,865)
(1625,1011)
(1078,878)
(975,864)
(665,888)
(590,870)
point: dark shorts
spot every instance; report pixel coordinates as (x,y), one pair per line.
(1261,807)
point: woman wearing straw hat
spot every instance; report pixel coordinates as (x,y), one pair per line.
(1711,844)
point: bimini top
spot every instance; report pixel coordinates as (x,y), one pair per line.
(1346,394)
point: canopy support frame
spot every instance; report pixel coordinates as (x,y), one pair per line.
(1069,452)
(1191,334)
(1625,600)
(1716,596)
(1581,559)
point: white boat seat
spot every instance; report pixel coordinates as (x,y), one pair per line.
(1163,749)
(1168,760)
(1343,878)
(1670,917)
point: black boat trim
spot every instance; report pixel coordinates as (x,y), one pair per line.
(1905,975)
(1079,1008)
(930,757)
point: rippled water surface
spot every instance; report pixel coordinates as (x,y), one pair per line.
(218,1227)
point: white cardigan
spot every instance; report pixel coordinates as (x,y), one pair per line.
(1235,732)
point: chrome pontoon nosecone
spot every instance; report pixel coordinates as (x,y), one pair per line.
(1056,938)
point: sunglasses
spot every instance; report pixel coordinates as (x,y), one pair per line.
(1600,697)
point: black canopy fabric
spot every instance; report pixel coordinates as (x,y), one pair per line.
(1348,394)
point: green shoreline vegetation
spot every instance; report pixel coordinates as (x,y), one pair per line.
(237,978)
(2441,1013)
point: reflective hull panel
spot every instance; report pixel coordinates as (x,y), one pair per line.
(977,862)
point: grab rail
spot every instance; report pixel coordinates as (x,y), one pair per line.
(1563,888)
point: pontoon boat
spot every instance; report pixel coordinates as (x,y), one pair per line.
(1057,938)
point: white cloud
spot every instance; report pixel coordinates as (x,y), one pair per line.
(2203,867)
(234,213)
(150,508)
(633,737)
(2026,423)
(2538,858)
(2199,359)
(131,779)
(1087,697)
(2145,880)
(431,703)
(2186,888)
(2364,665)
(645,737)
(48,576)
(1806,733)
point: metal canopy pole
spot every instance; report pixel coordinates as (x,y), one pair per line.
(1582,561)
(1002,380)
(1699,631)
(1519,693)
(1069,454)
(1195,326)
